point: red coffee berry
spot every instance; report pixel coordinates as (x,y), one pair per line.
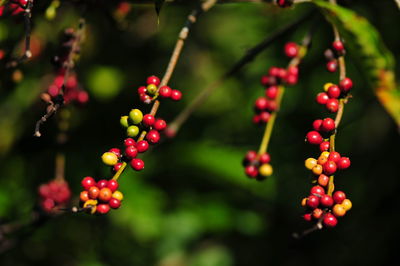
(142,90)
(102,184)
(264,80)
(332,105)
(338,46)
(114,203)
(329,167)
(88,182)
(317,190)
(256,119)
(250,156)
(328,124)
(137,164)
(145,98)
(176,95)
(291,49)
(293,70)
(324,146)
(153,80)
(291,79)
(322,98)
(331,66)
(317,213)
(274,71)
(131,151)
(312,201)
(313,137)
(323,180)
(264,117)
(326,201)
(329,220)
(129,142)
(160,124)
(282,73)
(93,192)
(271,92)
(307,217)
(251,171)
(84,196)
(112,185)
(343,163)
(334,156)
(333,91)
(165,91)
(265,158)
(317,124)
(117,167)
(261,104)
(339,197)
(116,151)
(148,120)
(102,208)
(346,84)
(142,146)
(153,136)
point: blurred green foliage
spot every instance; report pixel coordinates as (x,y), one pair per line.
(192,205)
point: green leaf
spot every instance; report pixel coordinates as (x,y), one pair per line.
(375,60)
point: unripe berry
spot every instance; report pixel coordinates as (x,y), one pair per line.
(109,158)
(176,95)
(322,160)
(322,98)
(251,171)
(339,197)
(118,195)
(129,142)
(313,201)
(142,146)
(151,88)
(137,164)
(113,185)
(165,91)
(332,105)
(93,192)
(105,194)
(323,180)
(124,121)
(317,170)
(310,163)
(331,66)
(131,151)
(153,80)
(313,137)
(148,120)
(102,183)
(265,158)
(346,204)
(265,170)
(329,167)
(334,91)
(329,220)
(317,190)
(153,136)
(343,163)
(102,208)
(291,49)
(84,196)
(326,201)
(160,124)
(88,182)
(328,124)
(338,210)
(136,116)
(346,84)
(114,203)
(132,131)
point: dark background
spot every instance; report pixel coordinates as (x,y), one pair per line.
(192,205)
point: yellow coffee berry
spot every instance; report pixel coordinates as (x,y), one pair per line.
(327,85)
(92,204)
(303,202)
(109,158)
(310,163)
(118,195)
(338,210)
(317,170)
(324,154)
(347,204)
(265,169)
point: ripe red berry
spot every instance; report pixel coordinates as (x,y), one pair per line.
(324,146)
(343,163)
(317,213)
(102,208)
(160,124)
(332,105)
(317,124)
(339,197)
(328,124)
(329,167)
(116,151)
(264,80)
(165,91)
(333,91)
(261,104)
(291,49)
(131,151)
(137,164)
(264,116)
(346,84)
(323,180)
(329,220)
(307,217)
(142,90)
(142,146)
(322,98)
(326,201)
(250,156)
(317,190)
(293,70)
(291,79)
(331,66)
(153,80)
(145,98)
(338,46)
(312,201)
(102,184)
(313,137)
(176,95)
(271,92)
(334,156)
(148,120)
(256,119)
(251,171)
(117,167)
(153,136)
(282,73)
(265,158)
(93,192)
(114,203)
(88,182)
(273,71)
(129,142)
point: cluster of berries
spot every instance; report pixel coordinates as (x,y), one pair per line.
(54,195)
(325,208)
(257,166)
(332,55)
(13,7)
(71,91)
(99,197)
(150,92)
(142,130)
(333,93)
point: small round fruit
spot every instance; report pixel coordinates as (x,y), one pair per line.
(251,171)
(338,46)
(343,163)
(328,124)
(313,137)
(310,163)
(339,197)
(334,156)
(117,167)
(118,195)
(317,213)
(132,131)
(322,98)
(114,203)
(142,146)
(176,95)
(317,124)
(151,88)
(265,170)
(334,91)
(323,180)
(346,84)
(346,204)
(160,124)
(93,192)
(338,210)
(272,92)
(307,217)
(136,116)
(329,220)
(131,151)
(124,121)
(137,164)
(153,80)
(291,49)
(250,156)
(84,196)
(326,201)
(331,66)
(324,146)
(102,208)
(148,120)
(165,91)
(313,201)
(153,136)
(102,183)
(129,142)
(109,158)
(88,182)
(264,158)
(142,90)
(317,190)
(332,105)
(317,170)
(105,194)
(116,151)
(329,167)
(113,185)
(304,202)
(261,104)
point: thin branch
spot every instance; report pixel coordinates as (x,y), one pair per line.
(398,3)
(250,55)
